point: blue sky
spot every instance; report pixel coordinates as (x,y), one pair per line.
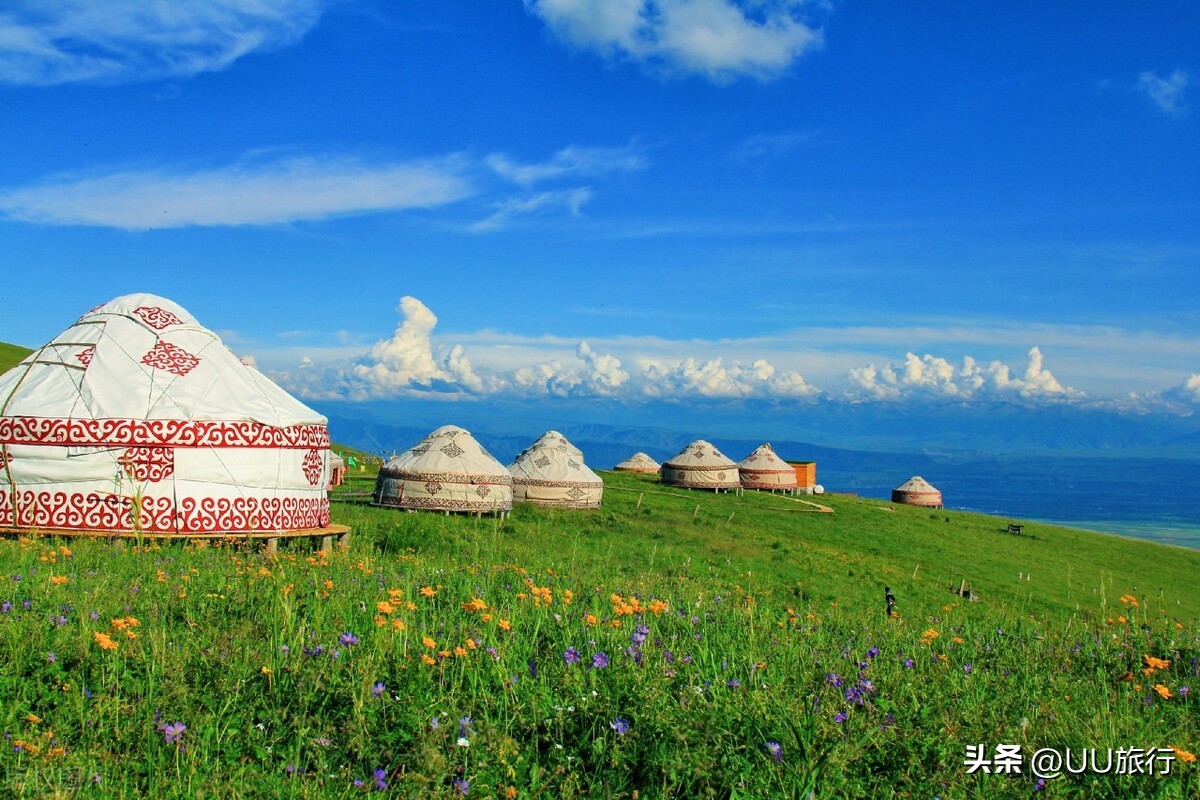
(874,201)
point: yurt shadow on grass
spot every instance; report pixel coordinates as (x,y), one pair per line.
(138,422)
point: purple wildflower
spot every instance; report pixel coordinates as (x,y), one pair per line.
(94,615)
(733,683)
(461,786)
(464,727)
(908,663)
(874,651)
(1184,691)
(620,725)
(571,656)
(967,668)
(380,776)
(347,639)
(51,658)
(833,679)
(1040,786)
(28,604)
(494,653)
(434,724)
(5,607)
(290,769)
(841,717)
(532,668)
(639,634)
(378,689)
(358,783)
(174,732)
(599,660)
(854,695)
(668,656)
(776,750)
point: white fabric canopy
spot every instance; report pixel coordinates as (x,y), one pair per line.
(139,418)
(551,472)
(700,465)
(446,471)
(639,462)
(763,469)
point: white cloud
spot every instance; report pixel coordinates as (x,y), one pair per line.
(408,362)
(539,204)
(1167,93)
(243,194)
(933,377)
(719,39)
(568,162)
(44,42)
(589,373)
(713,378)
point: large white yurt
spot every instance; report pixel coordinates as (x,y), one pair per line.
(764,469)
(700,465)
(446,471)
(551,472)
(639,462)
(139,419)
(916,491)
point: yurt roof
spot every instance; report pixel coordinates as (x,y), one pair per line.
(553,460)
(143,358)
(915,484)
(446,452)
(700,455)
(764,459)
(639,460)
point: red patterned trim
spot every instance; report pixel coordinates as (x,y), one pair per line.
(558,484)
(712,468)
(172,358)
(151,464)
(161,432)
(557,503)
(157,318)
(107,512)
(759,485)
(85,356)
(313,464)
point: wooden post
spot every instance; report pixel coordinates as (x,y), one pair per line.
(697,511)
(731,513)
(639,502)
(272,545)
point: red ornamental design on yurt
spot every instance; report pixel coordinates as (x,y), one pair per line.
(5,458)
(157,318)
(150,464)
(170,357)
(313,463)
(85,356)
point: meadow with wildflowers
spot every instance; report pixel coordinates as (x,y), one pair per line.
(670,644)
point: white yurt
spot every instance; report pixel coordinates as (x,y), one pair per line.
(639,462)
(916,491)
(700,465)
(446,471)
(764,469)
(551,472)
(138,418)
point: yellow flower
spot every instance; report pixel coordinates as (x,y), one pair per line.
(328,584)
(384,607)
(510,792)
(1184,755)
(444,653)
(428,591)
(59,580)
(1153,663)
(460,651)
(34,718)
(104,641)
(1163,691)
(474,604)
(504,625)
(486,617)
(657,607)
(395,594)
(568,596)
(429,642)
(266,671)
(398,624)
(428,659)
(958,640)
(590,619)
(928,636)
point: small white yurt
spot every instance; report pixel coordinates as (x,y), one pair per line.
(765,470)
(446,471)
(551,472)
(700,465)
(639,462)
(916,491)
(139,419)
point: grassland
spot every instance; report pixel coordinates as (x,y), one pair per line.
(670,644)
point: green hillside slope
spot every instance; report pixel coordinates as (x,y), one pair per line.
(11,355)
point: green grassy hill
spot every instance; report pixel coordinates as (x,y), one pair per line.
(11,355)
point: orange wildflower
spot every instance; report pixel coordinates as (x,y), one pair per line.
(34,718)
(1184,755)
(1163,691)
(460,651)
(398,624)
(428,591)
(591,619)
(395,594)
(928,636)
(1153,663)
(59,580)
(474,604)
(486,617)
(428,659)
(658,607)
(104,641)
(384,607)
(429,642)
(504,625)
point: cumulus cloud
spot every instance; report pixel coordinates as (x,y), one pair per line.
(66,41)
(408,361)
(934,377)
(590,374)
(718,39)
(714,379)
(1166,93)
(268,193)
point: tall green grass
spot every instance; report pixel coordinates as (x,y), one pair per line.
(670,644)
